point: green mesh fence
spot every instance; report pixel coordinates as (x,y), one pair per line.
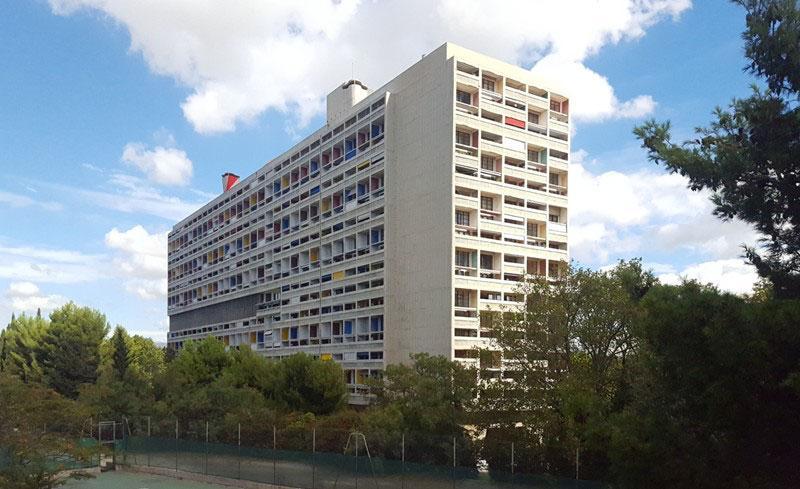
(322,459)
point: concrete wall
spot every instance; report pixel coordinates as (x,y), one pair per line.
(419,211)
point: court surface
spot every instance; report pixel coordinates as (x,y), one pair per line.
(134,480)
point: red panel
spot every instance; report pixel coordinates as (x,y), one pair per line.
(515,122)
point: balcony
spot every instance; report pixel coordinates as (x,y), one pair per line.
(466,108)
(559,117)
(557,189)
(557,227)
(491,95)
(466,312)
(490,215)
(466,271)
(464,230)
(537,128)
(466,150)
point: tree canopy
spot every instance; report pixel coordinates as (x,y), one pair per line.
(749,155)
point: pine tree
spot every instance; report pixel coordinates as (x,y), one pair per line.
(749,155)
(120,356)
(71,348)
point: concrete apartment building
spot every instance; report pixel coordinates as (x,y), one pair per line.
(385,232)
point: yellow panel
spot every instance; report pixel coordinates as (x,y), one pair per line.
(364,165)
(253,337)
(226,340)
(326,357)
(338,275)
(285,334)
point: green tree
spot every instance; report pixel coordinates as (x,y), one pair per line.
(310,385)
(567,352)
(430,400)
(748,156)
(125,387)
(36,424)
(71,348)
(713,405)
(120,355)
(23,342)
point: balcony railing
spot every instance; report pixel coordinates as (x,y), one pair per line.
(463,230)
(537,128)
(490,215)
(466,108)
(466,150)
(491,95)
(560,117)
(557,227)
(557,189)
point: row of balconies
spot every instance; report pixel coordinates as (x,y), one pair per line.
(260,198)
(372,117)
(373,182)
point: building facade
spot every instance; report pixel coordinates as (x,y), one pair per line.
(386,231)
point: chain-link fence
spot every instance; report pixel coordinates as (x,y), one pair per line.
(317,458)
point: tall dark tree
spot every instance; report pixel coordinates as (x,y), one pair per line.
(120,356)
(749,156)
(71,348)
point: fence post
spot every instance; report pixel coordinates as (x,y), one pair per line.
(403,461)
(454,461)
(176,445)
(206,464)
(239,454)
(313,457)
(356,437)
(578,461)
(149,447)
(274,455)
(512,458)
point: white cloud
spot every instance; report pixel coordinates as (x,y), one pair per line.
(591,96)
(33,264)
(242,58)
(20,201)
(141,259)
(732,275)
(616,214)
(132,195)
(26,297)
(165,166)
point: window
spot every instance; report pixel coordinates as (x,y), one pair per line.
(487,84)
(462,218)
(463,97)
(487,203)
(487,262)
(487,163)
(463,138)
(556,106)
(533,117)
(462,298)
(462,259)
(553,217)
(554,178)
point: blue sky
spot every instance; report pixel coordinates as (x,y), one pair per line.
(83,80)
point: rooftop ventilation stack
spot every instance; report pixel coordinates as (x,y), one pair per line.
(229,180)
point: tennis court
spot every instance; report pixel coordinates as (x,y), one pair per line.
(133,480)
